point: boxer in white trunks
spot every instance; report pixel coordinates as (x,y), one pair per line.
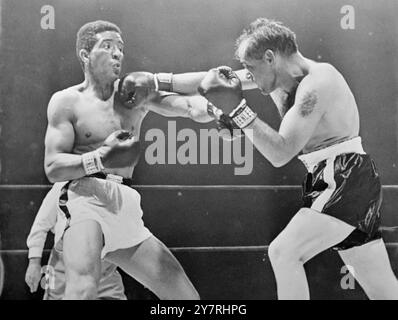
(110,285)
(92,141)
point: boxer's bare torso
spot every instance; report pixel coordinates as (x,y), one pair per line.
(340,120)
(80,122)
(94,119)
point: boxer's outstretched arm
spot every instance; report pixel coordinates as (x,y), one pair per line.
(59,163)
(297,125)
(188,83)
(193,107)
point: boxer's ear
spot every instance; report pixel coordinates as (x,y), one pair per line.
(269,56)
(83,54)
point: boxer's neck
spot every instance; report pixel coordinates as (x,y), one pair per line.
(292,71)
(102,88)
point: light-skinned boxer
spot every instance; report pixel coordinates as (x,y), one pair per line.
(320,123)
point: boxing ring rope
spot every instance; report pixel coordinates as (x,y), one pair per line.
(167,187)
(224,249)
(181,249)
(262,248)
(179,187)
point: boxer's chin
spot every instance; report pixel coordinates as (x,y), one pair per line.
(116,72)
(114,75)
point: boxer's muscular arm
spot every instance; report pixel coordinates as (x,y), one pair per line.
(59,163)
(188,83)
(193,107)
(297,126)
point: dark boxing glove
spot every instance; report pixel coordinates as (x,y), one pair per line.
(121,149)
(226,128)
(222,87)
(136,88)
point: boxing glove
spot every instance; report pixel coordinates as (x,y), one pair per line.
(223,89)
(225,127)
(136,88)
(121,149)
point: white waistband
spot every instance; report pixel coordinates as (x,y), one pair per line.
(311,159)
(114,178)
(108,177)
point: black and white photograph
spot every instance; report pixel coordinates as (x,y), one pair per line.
(211,151)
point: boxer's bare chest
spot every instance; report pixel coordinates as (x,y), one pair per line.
(339,123)
(95,120)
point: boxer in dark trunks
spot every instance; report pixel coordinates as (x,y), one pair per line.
(320,121)
(342,191)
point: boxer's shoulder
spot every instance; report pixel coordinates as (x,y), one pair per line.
(316,90)
(62,103)
(323,74)
(68,96)
(322,80)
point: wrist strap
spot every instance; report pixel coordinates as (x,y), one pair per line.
(242,115)
(92,162)
(163,82)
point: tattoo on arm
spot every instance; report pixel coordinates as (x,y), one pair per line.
(308,103)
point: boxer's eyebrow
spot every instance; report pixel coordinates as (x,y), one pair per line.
(111,40)
(101,41)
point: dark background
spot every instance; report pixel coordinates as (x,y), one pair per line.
(182,36)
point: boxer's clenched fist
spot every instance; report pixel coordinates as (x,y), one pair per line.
(121,149)
(222,87)
(136,88)
(226,129)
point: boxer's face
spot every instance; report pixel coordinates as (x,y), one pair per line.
(262,71)
(105,58)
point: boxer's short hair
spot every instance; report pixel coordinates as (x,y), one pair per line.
(86,36)
(263,34)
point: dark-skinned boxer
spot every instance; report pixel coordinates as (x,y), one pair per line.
(92,141)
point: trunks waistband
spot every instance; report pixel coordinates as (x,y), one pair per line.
(311,159)
(112,177)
